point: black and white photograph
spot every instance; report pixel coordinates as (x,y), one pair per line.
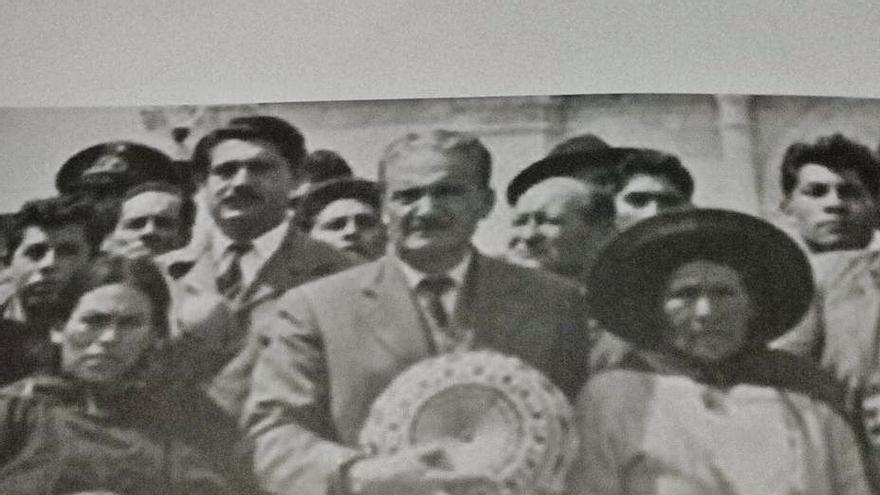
(603,289)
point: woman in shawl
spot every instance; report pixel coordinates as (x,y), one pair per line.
(100,424)
(700,406)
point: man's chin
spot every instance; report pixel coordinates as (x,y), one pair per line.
(39,304)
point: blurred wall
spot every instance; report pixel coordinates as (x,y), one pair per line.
(732,145)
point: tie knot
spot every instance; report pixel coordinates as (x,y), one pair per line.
(436,284)
(238,248)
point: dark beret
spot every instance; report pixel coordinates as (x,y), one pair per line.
(113,167)
(325,193)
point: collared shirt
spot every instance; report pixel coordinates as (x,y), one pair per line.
(457,274)
(253,260)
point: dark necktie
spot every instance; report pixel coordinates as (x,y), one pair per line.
(230,279)
(431,290)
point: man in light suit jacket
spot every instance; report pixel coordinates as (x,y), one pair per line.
(338,342)
(251,256)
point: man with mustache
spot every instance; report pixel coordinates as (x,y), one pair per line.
(340,341)
(252,254)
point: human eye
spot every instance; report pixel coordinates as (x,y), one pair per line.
(94,320)
(365,221)
(686,293)
(334,224)
(67,249)
(130,321)
(815,190)
(850,191)
(407,196)
(164,222)
(225,170)
(638,200)
(135,223)
(260,167)
(520,220)
(449,190)
(669,200)
(35,252)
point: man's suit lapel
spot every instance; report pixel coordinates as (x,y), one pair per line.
(286,266)
(389,311)
(487,306)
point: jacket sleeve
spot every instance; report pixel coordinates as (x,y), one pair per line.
(597,468)
(846,467)
(287,415)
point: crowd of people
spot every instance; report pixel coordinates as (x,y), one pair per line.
(223,324)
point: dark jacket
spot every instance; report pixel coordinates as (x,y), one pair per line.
(53,442)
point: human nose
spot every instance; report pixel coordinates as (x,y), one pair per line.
(149,228)
(651,209)
(241,176)
(530,231)
(426,204)
(833,200)
(702,306)
(109,334)
(350,229)
(48,261)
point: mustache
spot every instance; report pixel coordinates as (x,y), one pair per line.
(242,192)
(427,223)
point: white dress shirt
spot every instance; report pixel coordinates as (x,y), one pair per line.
(457,274)
(252,261)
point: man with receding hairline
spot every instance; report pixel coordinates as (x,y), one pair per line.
(560,225)
(340,341)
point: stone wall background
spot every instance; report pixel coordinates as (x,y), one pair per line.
(732,144)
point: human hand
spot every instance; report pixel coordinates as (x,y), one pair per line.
(422,470)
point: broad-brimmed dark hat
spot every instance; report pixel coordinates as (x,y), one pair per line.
(273,130)
(113,167)
(569,158)
(626,282)
(327,192)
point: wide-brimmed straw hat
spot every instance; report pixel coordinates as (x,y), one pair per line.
(626,281)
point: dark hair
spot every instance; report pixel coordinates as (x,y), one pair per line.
(837,153)
(313,203)
(323,165)
(187,205)
(440,141)
(53,213)
(263,128)
(107,269)
(655,163)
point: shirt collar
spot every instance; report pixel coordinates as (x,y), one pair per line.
(263,246)
(457,273)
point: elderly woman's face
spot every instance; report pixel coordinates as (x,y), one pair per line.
(108,331)
(707,310)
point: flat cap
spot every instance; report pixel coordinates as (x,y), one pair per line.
(325,193)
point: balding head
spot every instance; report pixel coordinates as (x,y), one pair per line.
(560,224)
